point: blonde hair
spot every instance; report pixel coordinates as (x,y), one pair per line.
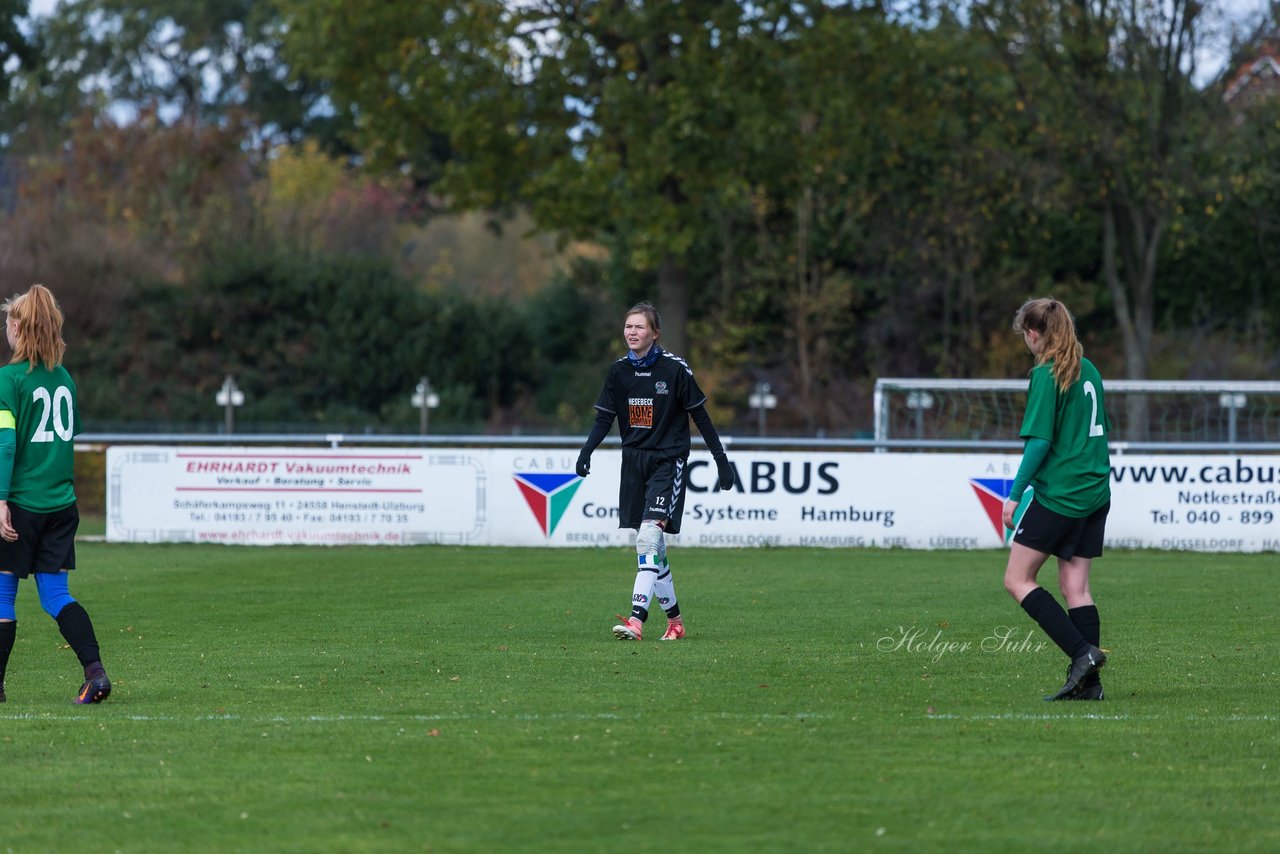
(38,333)
(1056,327)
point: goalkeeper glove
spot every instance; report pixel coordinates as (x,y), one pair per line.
(725,472)
(583,467)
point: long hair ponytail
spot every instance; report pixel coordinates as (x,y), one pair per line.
(1057,329)
(38,338)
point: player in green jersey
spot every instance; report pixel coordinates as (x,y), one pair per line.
(1066,465)
(38,514)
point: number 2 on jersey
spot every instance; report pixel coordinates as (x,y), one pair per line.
(1095,429)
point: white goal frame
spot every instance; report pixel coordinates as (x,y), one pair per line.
(1243,415)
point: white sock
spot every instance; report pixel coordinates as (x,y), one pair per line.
(664,590)
(642,592)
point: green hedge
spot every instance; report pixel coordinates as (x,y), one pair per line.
(91,482)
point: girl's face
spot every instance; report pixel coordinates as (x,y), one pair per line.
(638,334)
(1033,340)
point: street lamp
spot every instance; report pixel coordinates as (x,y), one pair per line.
(426,399)
(1233,402)
(918,402)
(230,396)
(762,400)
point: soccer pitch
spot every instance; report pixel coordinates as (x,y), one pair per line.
(446,699)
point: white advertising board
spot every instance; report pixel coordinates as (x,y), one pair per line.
(1195,503)
(531,497)
(262,496)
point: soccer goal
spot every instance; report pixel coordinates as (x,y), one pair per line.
(1143,412)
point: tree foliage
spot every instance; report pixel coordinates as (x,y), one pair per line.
(15,50)
(190,60)
(1222,265)
(815,194)
(608,120)
(321,340)
(1111,84)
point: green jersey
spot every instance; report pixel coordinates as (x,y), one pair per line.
(43,404)
(1075,478)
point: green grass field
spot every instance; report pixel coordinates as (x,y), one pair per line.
(441,699)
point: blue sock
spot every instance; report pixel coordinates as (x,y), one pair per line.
(8,596)
(54,595)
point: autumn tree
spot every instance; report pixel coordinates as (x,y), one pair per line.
(609,120)
(187,60)
(1111,85)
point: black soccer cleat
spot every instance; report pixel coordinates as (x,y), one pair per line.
(94,690)
(1089,690)
(1082,667)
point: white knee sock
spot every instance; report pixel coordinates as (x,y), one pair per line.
(642,592)
(664,590)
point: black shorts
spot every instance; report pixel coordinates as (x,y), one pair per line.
(46,541)
(1062,536)
(652,487)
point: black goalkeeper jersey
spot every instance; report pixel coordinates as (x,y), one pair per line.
(652,403)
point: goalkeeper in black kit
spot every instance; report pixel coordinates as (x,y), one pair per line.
(653,395)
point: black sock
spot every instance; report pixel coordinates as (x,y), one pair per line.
(1086,620)
(673,612)
(8,631)
(639,613)
(1053,620)
(77,629)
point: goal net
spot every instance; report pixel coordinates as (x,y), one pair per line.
(1141,411)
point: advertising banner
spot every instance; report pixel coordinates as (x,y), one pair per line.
(1195,503)
(531,497)
(262,496)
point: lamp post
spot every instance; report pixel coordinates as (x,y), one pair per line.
(762,400)
(918,402)
(1233,402)
(230,396)
(425,398)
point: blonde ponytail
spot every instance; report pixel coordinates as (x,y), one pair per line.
(38,336)
(1057,329)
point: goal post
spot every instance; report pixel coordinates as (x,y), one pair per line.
(1150,413)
